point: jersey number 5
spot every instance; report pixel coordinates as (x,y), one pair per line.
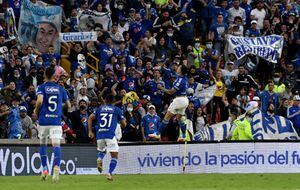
(105,120)
(52,101)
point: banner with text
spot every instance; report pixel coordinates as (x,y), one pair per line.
(263,126)
(40,25)
(78,36)
(262,157)
(266,47)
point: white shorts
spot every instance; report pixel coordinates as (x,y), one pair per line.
(54,132)
(178,105)
(111,145)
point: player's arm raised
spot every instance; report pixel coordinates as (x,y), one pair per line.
(90,123)
(168,91)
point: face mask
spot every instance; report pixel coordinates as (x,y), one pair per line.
(39,62)
(197,45)
(17,75)
(230,119)
(170,34)
(148,6)
(129,109)
(82,107)
(209,46)
(120,7)
(276,80)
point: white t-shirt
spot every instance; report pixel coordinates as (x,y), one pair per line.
(260,16)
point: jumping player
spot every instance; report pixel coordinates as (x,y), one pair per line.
(107,118)
(179,103)
(50,98)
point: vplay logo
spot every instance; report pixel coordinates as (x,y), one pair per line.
(22,162)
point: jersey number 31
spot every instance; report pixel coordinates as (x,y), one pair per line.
(105,120)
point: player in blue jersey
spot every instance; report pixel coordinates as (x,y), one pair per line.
(107,118)
(50,98)
(180,102)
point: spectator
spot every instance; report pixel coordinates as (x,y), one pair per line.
(150,125)
(200,120)
(293,113)
(217,33)
(243,98)
(79,119)
(26,121)
(116,36)
(210,55)
(269,96)
(252,31)
(34,129)
(217,102)
(9,92)
(132,130)
(235,11)
(258,14)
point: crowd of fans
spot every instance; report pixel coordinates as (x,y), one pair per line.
(148,40)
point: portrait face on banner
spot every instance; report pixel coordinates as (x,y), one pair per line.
(46,35)
(40,26)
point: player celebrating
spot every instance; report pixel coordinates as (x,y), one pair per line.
(107,118)
(180,103)
(50,97)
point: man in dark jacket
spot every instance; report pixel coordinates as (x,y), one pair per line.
(79,119)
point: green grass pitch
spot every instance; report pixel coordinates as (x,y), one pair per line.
(157,182)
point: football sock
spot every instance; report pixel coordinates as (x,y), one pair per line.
(57,154)
(163,125)
(182,127)
(43,155)
(112,165)
(101,155)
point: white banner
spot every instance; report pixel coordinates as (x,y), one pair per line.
(208,158)
(78,36)
(263,127)
(89,19)
(260,157)
(266,47)
(204,95)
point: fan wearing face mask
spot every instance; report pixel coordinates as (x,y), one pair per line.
(210,55)
(197,52)
(279,87)
(132,130)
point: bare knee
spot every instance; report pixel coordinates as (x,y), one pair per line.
(114,154)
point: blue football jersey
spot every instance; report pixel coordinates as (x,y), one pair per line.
(180,84)
(51,110)
(107,119)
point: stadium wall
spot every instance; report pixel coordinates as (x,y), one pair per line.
(246,157)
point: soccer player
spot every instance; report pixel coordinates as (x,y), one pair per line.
(50,97)
(107,118)
(179,103)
